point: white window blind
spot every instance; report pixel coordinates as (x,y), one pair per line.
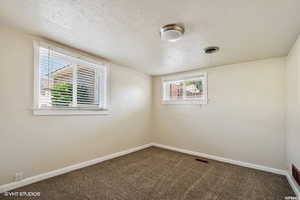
(67,82)
(191,89)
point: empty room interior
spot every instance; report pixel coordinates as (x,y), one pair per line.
(150,100)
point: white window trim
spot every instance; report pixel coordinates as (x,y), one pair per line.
(69,111)
(183,77)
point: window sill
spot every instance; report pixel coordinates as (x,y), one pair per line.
(183,102)
(43,112)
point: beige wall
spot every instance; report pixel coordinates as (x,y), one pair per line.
(244,119)
(37,144)
(293,106)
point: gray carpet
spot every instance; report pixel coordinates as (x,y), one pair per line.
(158,174)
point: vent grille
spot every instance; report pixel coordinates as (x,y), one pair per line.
(210,50)
(296,174)
(201,160)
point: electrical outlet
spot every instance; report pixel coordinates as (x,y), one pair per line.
(18,176)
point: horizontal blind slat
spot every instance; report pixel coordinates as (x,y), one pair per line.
(56,78)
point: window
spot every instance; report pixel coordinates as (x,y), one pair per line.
(185,90)
(68,84)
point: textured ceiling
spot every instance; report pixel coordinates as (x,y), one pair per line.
(127,32)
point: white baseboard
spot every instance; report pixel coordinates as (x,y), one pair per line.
(293,184)
(235,162)
(40,177)
(221,159)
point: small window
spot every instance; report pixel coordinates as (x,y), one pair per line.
(65,83)
(185,90)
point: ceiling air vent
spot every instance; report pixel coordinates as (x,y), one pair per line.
(210,50)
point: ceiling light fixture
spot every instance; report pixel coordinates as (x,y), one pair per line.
(211,50)
(171,32)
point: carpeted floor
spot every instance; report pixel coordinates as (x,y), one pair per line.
(158,174)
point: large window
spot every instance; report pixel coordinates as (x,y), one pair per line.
(185,90)
(67,83)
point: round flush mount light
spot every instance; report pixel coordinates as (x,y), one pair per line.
(171,32)
(211,50)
